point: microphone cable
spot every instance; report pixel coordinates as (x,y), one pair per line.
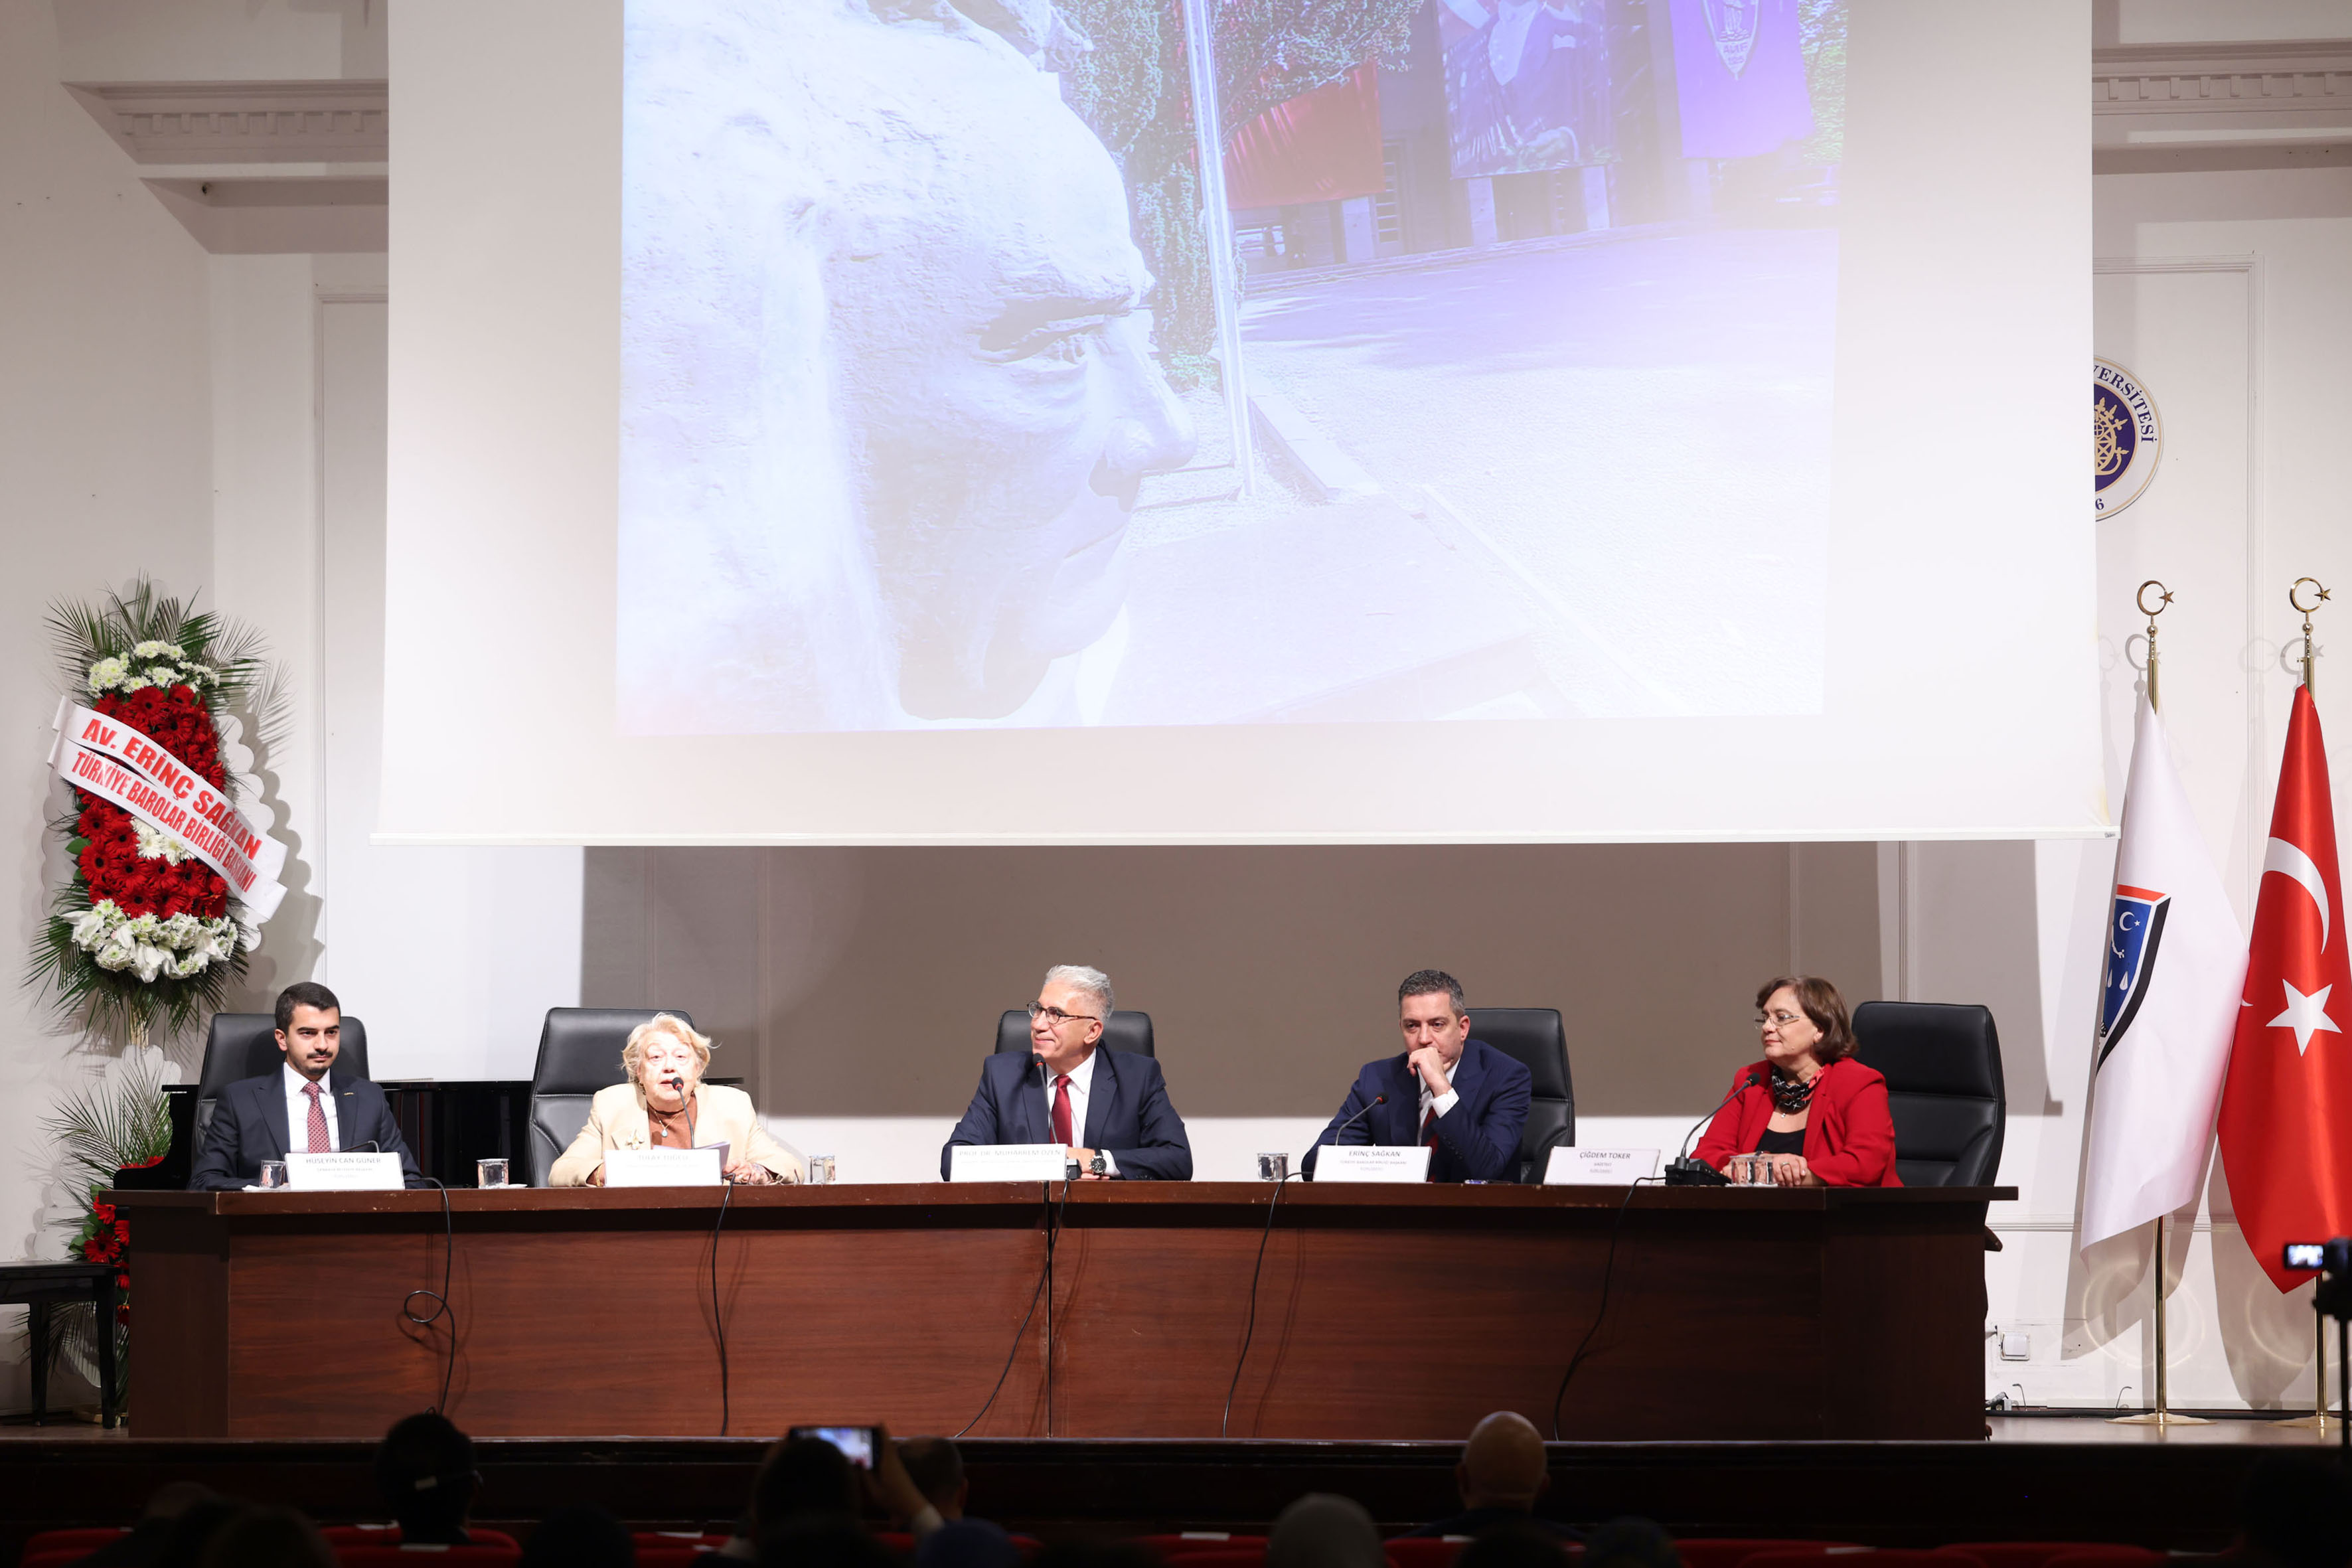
(717,1314)
(1053,1222)
(1249,1327)
(440,1299)
(1607,1270)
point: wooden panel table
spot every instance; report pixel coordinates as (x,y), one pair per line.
(1380,1311)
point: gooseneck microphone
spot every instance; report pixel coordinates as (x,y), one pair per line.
(1686,1171)
(1378,1100)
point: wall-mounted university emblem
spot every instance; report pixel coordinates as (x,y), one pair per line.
(1732,25)
(2126,439)
(2133,933)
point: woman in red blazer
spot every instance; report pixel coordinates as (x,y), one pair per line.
(1820,1114)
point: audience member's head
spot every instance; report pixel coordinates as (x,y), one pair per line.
(192,1532)
(173,1499)
(1631,1542)
(1503,1464)
(425,1468)
(1320,1530)
(935,1467)
(266,1538)
(2297,1511)
(804,1480)
(580,1536)
(817,1541)
(967,1543)
(1514,1543)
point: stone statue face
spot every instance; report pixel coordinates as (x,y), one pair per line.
(999,397)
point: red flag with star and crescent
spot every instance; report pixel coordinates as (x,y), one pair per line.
(2286,1111)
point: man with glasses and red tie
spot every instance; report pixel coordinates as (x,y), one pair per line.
(1462,1097)
(1110,1108)
(305,1105)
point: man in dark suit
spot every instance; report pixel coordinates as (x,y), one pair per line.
(305,1105)
(1109,1109)
(1462,1097)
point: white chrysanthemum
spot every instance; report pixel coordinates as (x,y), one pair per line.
(154,844)
(187,964)
(200,675)
(136,683)
(140,928)
(116,953)
(107,674)
(179,932)
(155,649)
(220,939)
(162,675)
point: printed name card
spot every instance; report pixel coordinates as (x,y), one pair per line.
(1371,1163)
(1571,1167)
(1006,1163)
(358,1172)
(662,1167)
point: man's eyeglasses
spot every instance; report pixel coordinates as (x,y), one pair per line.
(1055,1018)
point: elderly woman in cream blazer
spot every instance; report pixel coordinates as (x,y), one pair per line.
(666,1104)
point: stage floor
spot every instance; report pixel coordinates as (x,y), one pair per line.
(2038,1478)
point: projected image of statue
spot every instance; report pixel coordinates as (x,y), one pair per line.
(887,388)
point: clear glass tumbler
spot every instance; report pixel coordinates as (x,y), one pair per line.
(489,1172)
(273,1175)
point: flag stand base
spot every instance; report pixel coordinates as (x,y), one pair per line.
(2158,1419)
(2319,1423)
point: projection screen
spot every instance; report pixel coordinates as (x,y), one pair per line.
(826,421)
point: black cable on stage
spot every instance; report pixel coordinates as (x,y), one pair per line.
(718,1315)
(440,1299)
(1608,1270)
(1052,1223)
(1249,1328)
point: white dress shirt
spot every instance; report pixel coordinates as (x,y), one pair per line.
(297,1112)
(1441,1102)
(1082,1079)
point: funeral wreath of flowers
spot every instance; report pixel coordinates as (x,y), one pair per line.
(143,933)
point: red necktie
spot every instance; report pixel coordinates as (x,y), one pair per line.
(1428,1127)
(319,1144)
(1062,1110)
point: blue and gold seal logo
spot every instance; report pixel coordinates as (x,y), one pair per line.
(2126,437)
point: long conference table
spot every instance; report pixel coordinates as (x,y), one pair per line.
(1380,1311)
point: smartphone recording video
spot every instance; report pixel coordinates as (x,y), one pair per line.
(857,1442)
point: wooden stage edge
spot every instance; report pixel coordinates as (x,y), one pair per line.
(2037,1478)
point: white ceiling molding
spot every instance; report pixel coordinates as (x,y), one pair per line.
(281,214)
(242,121)
(2158,108)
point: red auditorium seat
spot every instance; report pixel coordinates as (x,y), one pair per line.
(1192,1543)
(673,1554)
(2105,1557)
(899,1541)
(57,1556)
(82,1543)
(656,1539)
(2034,1553)
(1424,1551)
(1887,1557)
(1222,1557)
(1730,1552)
(342,1535)
(416,1556)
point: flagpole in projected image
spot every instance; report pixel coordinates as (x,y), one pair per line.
(2174,967)
(1217,228)
(2319,1420)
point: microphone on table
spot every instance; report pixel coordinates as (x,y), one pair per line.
(1685,1172)
(1378,1100)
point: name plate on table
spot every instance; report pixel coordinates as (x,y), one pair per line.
(357,1173)
(1006,1163)
(1569,1167)
(1371,1163)
(662,1168)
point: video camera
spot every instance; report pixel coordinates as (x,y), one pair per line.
(2332,1261)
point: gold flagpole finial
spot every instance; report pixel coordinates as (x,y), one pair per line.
(2294,598)
(2140,599)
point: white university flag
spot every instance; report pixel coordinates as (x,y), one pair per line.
(2176,963)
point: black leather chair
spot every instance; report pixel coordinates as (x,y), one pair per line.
(1535,1038)
(578,1053)
(1122,1031)
(1942,1066)
(244,1045)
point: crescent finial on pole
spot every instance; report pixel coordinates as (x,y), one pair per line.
(2294,599)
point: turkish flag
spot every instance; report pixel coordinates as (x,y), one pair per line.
(2286,1111)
